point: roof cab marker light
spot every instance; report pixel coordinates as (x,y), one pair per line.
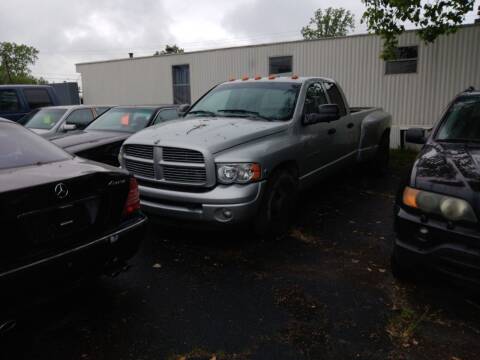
(272,77)
(258,77)
(245,78)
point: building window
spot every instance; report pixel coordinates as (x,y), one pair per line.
(281,65)
(405,61)
(181,84)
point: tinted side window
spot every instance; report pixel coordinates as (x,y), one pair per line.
(336,97)
(167,114)
(9,100)
(21,147)
(314,98)
(81,118)
(37,98)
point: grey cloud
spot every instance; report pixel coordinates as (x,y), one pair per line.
(66,32)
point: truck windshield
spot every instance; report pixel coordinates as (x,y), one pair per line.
(260,100)
(462,121)
(20,147)
(123,119)
(43,118)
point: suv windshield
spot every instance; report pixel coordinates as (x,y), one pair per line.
(20,147)
(462,121)
(43,118)
(262,100)
(123,119)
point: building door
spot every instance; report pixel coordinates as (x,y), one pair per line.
(181,84)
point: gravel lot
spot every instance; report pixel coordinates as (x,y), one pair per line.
(323,292)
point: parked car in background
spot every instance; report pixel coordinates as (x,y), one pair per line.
(102,139)
(18,100)
(438,205)
(61,217)
(247,147)
(51,120)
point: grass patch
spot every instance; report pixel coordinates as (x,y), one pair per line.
(403,326)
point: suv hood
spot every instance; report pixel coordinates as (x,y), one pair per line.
(451,169)
(215,134)
(84,140)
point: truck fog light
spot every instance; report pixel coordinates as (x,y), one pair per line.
(423,230)
(223,215)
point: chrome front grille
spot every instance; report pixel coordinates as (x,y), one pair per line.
(172,154)
(139,151)
(139,168)
(168,165)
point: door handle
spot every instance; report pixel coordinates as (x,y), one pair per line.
(350,125)
(332,131)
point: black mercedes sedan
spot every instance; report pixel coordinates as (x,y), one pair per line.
(102,139)
(438,205)
(61,217)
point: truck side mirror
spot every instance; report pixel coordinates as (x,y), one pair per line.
(326,113)
(183,109)
(415,136)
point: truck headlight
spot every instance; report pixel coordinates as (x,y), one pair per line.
(241,173)
(451,208)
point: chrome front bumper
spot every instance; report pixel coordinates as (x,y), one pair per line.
(227,204)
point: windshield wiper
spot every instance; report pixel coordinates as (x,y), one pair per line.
(202,112)
(250,114)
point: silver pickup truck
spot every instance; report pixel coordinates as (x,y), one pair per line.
(244,150)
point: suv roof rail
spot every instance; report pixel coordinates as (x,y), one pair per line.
(470,89)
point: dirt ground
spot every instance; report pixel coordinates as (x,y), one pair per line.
(323,292)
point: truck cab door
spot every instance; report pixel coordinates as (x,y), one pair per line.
(317,138)
(347,127)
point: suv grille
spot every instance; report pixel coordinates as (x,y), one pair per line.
(139,151)
(140,168)
(172,154)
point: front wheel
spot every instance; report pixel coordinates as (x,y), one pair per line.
(278,205)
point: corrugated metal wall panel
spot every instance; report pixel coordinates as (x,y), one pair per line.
(444,68)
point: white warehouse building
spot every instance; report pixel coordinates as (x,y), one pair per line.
(414,88)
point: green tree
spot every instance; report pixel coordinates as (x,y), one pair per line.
(15,61)
(432,18)
(170,49)
(328,23)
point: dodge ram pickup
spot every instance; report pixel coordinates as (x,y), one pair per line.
(245,149)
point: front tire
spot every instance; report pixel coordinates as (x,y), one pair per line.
(278,204)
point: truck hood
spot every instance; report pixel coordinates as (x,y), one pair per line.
(451,169)
(215,134)
(84,140)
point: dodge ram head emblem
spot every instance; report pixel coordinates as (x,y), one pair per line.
(61,191)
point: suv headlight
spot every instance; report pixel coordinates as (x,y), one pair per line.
(451,208)
(238,173)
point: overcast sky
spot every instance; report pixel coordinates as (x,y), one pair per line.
(67,32)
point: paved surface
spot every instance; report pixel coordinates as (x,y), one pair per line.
(324,292)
